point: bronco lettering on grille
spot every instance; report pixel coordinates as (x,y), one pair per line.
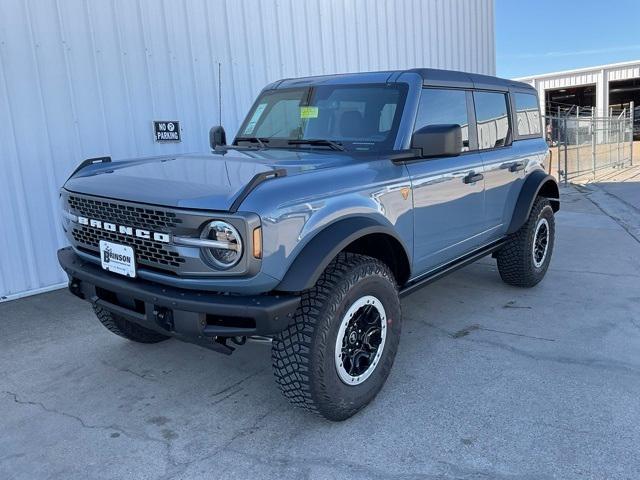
(124,230)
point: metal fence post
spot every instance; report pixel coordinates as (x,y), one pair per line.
(618,144)
(578,138)
(631,114)
(593,145)
(564,128)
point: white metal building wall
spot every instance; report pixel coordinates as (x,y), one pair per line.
(599,76)
(86,78)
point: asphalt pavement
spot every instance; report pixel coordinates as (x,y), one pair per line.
(491,382)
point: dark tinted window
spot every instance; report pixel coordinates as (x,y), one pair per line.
(527,114)
(444,107)
(492,119)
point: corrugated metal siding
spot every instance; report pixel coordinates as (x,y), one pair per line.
(624,73)
(599,76)
(81,79)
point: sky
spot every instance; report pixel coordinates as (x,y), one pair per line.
(542,36)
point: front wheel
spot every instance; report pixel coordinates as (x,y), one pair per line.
(337,353)
(524,259)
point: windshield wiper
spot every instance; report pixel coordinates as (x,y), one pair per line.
(261,141)
(317,141)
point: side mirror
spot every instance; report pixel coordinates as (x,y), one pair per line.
(438,140)
(217,136)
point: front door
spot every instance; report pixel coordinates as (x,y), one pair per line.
(448,193)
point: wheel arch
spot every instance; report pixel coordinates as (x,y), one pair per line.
(361,235)
(536,184)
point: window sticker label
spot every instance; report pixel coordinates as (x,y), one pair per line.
(248,130)
(308,112)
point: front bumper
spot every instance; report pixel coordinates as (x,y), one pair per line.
(204,318)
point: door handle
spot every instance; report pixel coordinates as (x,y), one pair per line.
(473,177)
(516,166)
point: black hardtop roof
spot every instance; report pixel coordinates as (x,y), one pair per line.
(431,77)
(437,77)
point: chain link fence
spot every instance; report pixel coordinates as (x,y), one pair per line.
(581,144)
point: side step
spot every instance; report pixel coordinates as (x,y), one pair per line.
(450,267)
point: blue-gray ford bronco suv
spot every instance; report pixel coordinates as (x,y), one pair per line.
(339,195)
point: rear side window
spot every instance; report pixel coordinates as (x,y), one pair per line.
(492,119)
(444,107)
(528,114)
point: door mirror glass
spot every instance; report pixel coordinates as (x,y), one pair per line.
(217,136)
(438,140)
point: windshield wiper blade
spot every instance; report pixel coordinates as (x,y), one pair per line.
(317,141)
(261,141)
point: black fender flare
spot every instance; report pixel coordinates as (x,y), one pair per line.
(537,183)
(316,255)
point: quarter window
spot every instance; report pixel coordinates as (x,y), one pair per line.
(444,107)
(492,119)
(528,114)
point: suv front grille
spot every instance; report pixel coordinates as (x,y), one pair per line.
(122,214)
(148,252)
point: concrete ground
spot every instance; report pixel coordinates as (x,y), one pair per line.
(491,382)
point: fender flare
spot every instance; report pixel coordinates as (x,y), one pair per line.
(536,183)
(316,255)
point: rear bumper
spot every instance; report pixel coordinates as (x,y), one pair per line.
(192,316)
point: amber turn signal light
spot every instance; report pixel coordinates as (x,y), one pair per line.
(257,242)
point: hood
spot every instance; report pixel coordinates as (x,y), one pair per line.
(206,181)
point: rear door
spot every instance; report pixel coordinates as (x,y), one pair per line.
(504,168)
(449,215)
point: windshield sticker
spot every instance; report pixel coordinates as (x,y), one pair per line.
(248,130)
(308,112)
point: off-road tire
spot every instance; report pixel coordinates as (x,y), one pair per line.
(303,355)
(516,260)
(126,329)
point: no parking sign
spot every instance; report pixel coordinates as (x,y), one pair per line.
(166,130)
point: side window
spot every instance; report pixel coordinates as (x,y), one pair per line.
(492,119)
(528,114)
(444,107)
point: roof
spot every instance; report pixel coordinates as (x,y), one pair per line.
(430,77)
(435,77)
(581,70)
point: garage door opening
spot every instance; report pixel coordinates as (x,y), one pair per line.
(621,94)
(562,101)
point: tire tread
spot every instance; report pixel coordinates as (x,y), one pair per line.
(291,351)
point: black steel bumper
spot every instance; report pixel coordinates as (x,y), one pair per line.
(203,318)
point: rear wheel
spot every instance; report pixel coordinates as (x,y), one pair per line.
(337,353)
(126,329)
(525,258)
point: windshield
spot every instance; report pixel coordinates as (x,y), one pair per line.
(351,117)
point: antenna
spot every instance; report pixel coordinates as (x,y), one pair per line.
(219,93)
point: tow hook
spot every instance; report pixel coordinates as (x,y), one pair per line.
(164,318)
(74,287)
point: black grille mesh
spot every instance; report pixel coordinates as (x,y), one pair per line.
(148,252)
(122,214)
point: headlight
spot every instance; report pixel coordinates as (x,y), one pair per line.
(224,244)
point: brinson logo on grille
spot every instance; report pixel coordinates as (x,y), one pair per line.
(124,230)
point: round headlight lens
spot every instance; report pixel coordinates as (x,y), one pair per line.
(229,251)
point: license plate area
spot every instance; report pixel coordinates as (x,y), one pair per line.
(118,258)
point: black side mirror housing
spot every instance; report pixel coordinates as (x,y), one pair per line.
(217,136)
(438,140)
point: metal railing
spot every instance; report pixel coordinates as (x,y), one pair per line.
(582,144)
